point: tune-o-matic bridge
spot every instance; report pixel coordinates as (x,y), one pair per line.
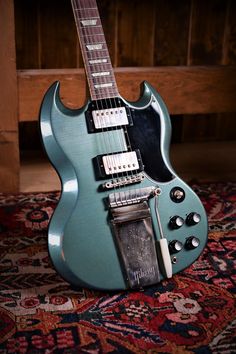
(123,181)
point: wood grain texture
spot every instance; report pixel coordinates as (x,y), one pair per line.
(171,32)
(108,14)
(9,162)
(27,34)
(184,89)
(9,156)
(207,32)
(57,35)
(136,27)
(229,44)
(211,39)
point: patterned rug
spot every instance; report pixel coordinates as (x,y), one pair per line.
(194,312)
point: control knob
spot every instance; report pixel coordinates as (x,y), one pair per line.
(192,242)
(176,222)
(193,219)
(175,246)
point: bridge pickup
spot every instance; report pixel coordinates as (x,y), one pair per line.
(118,163)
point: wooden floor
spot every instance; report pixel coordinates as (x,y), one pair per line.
(202,161)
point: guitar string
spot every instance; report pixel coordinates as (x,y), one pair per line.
(125,132)
(108,95)
(103,81)
(79,18)
(117,128)
(123,129)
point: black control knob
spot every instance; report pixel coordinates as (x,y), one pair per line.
(176,222)
(177,194)
(192,242)
(193,219)
(175,246)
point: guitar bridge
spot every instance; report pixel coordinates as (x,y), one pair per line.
(136,244)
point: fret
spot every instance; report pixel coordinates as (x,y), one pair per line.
(88,31)
(85,9)
(90,27)
(100,75)
(90,53)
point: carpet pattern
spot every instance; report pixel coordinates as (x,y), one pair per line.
(194,312)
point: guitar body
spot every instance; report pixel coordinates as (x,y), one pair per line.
(82,242)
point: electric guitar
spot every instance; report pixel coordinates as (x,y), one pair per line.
(124,219)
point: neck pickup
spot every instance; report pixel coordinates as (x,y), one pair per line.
(107,114)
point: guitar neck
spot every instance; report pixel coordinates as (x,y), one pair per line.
(97,62)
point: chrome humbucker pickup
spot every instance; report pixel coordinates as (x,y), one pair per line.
(123,162)
(111,117)
(118,163)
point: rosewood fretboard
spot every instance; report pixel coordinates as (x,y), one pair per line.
(100,75)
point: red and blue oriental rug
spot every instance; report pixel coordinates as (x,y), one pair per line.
(194,312)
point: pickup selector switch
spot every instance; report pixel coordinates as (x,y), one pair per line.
(193,219)
(192,242)
(175,246)
(176,222)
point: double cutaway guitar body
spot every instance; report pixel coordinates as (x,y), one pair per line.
(115,230)
(124,219)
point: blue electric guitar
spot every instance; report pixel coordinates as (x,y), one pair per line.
(124,219)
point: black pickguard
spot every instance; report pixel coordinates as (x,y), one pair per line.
(145,135)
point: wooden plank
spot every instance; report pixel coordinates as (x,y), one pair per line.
(57,35)
(9,157)
(171,34)
(184,89)
(136,29)
(108,13)
(9,162)
(212,24)
(27,35)
(207,32)
(229,50)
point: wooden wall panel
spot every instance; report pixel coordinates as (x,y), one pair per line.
(136,25)
(210,30)
(57,35)
(229,49)
(9,155)
(147,33)
(171,32)
(207,32)
(177,86)
(108,14)
(27,34)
